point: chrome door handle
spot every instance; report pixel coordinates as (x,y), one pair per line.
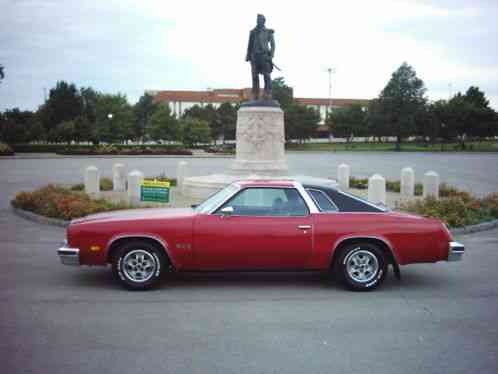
(304,227)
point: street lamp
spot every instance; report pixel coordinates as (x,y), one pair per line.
(110,115)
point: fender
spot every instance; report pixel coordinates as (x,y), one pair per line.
(141,235)
(386,241)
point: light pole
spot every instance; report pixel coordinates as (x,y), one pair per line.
(329,107)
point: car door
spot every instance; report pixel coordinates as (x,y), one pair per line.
(270,228)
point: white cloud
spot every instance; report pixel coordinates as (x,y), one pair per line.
(129,46)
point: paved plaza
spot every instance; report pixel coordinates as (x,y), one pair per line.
(441,318)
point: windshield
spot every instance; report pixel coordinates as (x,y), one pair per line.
(214,200)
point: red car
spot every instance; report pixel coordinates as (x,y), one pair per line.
(260,225)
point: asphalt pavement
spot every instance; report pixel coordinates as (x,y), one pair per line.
(441,318)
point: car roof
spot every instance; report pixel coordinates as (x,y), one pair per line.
(266,183)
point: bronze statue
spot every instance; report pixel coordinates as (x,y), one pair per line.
(260,52)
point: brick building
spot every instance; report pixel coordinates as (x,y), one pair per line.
(179,101)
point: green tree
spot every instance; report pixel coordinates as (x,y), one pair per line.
(481,116)
(84,130)
(301,122)
(16,125)
(400,101)
(376,120)
(207,114)
(227,115)
(63,104)
(162,124)
(64,132)
(282,93)
(143,109)
(194,131)
(115,118)
(348,122)
(427,124)
(2,74)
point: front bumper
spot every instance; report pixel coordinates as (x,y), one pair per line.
(69,256)
(455,251)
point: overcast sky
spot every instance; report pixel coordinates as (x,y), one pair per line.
(129,46)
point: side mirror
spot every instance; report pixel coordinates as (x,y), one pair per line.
(226,211)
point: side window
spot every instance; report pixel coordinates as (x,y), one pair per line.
(323,202)
(267,202)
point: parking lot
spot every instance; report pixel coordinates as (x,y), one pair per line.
(441,318)
(55,319)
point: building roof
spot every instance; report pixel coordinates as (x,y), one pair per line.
(234,95)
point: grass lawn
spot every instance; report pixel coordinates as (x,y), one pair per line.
(485,146)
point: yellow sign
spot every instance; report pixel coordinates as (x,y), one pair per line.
(155,183)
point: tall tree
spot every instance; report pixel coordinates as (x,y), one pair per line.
(348,122)
(2,74)
(16,125)
(194,131)
(376,119)
(301,122)
(227,115)
(282,93)
(401,100)
(144,109)
(115,118)
(63,104)
(162,125)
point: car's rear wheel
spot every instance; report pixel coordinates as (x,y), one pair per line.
(138,264)
(361,266)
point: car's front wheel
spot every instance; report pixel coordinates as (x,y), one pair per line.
(138,265)
(361,266)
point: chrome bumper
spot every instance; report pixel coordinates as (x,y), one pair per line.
(455,251)
(69,256)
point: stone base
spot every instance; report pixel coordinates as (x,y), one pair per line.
(260,142)
(206,185)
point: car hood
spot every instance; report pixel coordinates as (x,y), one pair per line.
(136,214)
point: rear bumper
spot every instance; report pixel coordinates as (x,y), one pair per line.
(68,255)
(455,251)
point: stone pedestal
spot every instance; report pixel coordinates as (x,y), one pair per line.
(260,142)
(260,152)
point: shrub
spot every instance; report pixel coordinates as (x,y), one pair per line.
(457,210)
(490,203)
(62,203)
(106,184)
(5,150)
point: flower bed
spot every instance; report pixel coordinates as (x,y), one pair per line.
(131,151)
(458,209)
(62,203)
(5,150)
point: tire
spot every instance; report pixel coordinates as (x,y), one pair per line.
(361,266)
(138,265)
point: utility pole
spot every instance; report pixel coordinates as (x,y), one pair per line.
(329,107)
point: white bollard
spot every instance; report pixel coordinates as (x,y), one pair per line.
(181,173)
(407,187)
(134,179)
(92,180)
(377,189)
(343,174)
(119,177)
(431,184)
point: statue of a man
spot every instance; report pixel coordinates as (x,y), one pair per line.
(260,53)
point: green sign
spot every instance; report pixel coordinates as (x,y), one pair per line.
(155,191)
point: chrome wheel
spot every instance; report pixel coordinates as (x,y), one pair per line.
(362,265)
(139,265)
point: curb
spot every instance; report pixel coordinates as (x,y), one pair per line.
(484,226)
(38,218)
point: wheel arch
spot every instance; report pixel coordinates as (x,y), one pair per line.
(383,243)
(117,241)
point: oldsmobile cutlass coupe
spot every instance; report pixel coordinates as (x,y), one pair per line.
(260,225)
